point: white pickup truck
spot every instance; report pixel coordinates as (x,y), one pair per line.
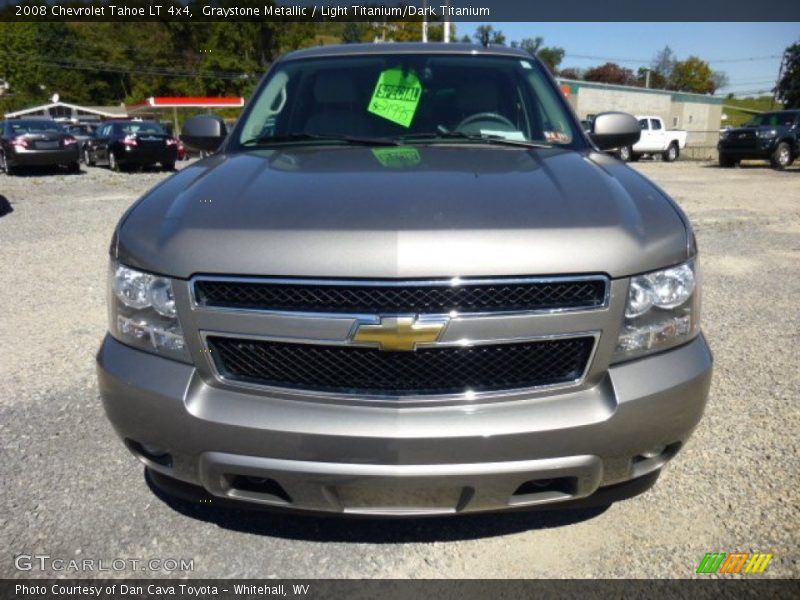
(655,139)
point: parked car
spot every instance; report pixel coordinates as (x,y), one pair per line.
(406,283)
(772,136)
(183,151)
(655,140)
(120,144)
(36,142)
(82,132)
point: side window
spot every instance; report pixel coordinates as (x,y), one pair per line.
(655,124)
(643,124)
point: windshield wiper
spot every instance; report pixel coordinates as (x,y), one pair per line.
(312,137)
(486,138)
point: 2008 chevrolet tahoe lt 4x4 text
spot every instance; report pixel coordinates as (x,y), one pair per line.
(407,283)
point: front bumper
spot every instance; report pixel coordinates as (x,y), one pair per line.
(43,158)
(760,149)
(147,156)
(321,456)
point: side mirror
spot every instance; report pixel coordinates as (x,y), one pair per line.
(614,130)
(204,132)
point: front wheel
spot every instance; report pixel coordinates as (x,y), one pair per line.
(87,158)
(782,157)
(726,162)
(625,154)
(672,153)
(112,162)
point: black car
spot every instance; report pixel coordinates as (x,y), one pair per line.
(122,143)
(36,142)
(772,136)
(83,132)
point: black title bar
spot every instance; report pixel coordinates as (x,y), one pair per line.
(365,10)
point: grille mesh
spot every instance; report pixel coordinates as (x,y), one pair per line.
(418,299)
(425,371)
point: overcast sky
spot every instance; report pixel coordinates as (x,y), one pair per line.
(749,53)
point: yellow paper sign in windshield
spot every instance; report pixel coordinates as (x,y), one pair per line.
(396,96)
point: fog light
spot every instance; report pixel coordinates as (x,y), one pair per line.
(153,450)
(654,453)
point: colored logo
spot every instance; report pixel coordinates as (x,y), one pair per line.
(400,333)
(736,562)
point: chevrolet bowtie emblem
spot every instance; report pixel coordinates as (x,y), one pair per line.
(400,333)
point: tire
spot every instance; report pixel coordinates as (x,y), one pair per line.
(112,162)
(625,154)
(782,157)
(87,158)
(74,167)
(4,168)
(726,162)
(168,166)
(672,153)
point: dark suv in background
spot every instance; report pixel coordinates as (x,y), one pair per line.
(771,136)
(36,142)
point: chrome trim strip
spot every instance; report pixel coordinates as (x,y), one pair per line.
(453,281)
(468,396)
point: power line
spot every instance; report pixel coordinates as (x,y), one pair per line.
(650,60)
(82,65)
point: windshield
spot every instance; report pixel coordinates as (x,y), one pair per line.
(776,119)
(143,128)
(80,130)
(23,127)
(413,98)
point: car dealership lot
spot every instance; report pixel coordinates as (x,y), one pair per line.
(71,490)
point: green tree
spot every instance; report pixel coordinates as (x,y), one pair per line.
(693,75)
(551,57)
(530,45)
(486,34)
(788,88)
(351,33)
(657,80)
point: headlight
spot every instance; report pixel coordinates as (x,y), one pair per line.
(662,311)
(142,312)
(723,135)
(768,134)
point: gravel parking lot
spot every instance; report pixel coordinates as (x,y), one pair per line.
(70,489)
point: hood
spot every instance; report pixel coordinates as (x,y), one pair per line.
(404,212)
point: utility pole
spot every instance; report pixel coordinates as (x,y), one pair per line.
(425,22)
(647,78)
(781,69)
(446,28)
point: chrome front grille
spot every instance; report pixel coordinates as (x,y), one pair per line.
(429,371)
(303,337)
(395,297)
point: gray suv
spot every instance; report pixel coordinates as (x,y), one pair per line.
(406,283)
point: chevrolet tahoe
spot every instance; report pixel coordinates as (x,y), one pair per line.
(406,282)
